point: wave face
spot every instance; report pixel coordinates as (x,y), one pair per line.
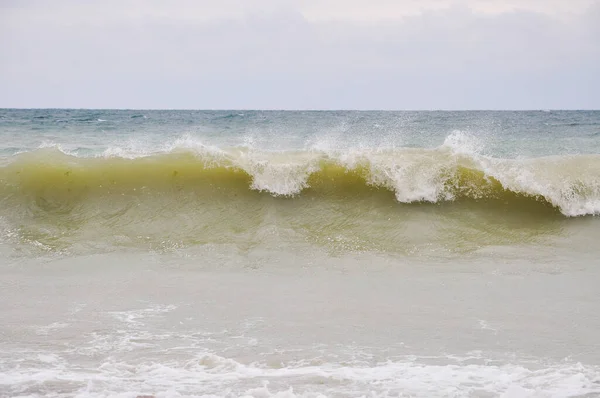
(355,200)
(359,181)
(570,184)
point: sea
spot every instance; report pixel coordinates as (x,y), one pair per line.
(190,253)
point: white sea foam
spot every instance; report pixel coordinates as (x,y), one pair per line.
(414,177)
(58,147)
(133,317)
(569,183)
(277,174)
(45,330)
(130,149)
(216,376)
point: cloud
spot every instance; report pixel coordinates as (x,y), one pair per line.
(376,10)
(311,10)
(253,54)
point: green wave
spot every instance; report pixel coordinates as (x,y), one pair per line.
(402,201)
(53,179)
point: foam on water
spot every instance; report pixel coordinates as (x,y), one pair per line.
(175,364)
(213,375)
(278,174)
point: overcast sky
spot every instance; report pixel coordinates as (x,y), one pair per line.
(302,54)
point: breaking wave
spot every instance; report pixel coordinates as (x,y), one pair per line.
(449,173)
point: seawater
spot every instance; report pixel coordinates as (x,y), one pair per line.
(296,253)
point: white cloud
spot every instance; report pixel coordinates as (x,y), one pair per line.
(312,10)
(253,54)
(373,10)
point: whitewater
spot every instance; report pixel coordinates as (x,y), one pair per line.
(299,254)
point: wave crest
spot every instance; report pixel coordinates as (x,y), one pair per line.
(451,172)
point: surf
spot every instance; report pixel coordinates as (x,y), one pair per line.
(568,184)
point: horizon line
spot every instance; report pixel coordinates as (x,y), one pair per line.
(308,109)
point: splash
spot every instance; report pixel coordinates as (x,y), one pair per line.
(451,172)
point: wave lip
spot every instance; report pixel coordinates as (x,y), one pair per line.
(451,172)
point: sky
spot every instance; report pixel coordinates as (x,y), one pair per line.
(301,54)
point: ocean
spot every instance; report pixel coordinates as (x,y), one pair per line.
(299,253)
